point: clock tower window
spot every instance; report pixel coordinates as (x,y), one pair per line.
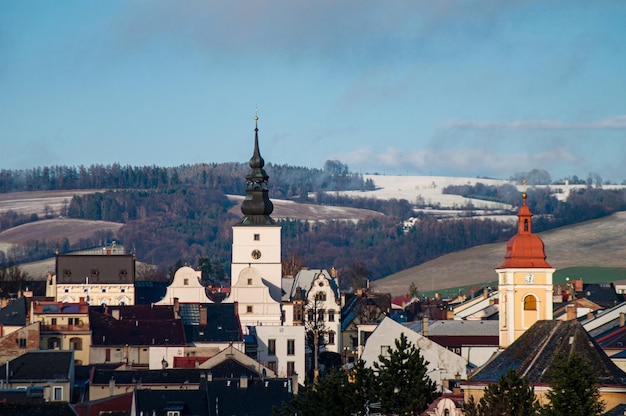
(530,303)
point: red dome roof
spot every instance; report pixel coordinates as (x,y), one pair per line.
(525,249)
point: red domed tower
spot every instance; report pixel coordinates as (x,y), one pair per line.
(525,280)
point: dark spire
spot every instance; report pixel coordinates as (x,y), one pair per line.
(256,207)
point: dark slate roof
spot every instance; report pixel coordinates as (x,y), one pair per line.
(257,398)
(619,410)
(97,269)
(222,322)
(188,402)
(15,313)
(38,366)
(602,294)
(39,408)
(106,330)
(147,292)
(228,369)
(141,312)
(533,354)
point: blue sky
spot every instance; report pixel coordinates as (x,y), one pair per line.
(446,87)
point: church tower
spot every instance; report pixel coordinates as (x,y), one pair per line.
(525,281)
(257,237)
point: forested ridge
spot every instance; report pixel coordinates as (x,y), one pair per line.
(180,215)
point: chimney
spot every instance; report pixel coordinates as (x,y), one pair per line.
(176,307)
(570,312)
(243,382)
(590,315)
(203,315)
(622,319)
(112,386)
(425,326)
(3,303)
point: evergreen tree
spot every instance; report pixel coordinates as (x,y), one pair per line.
(337,393)
(403,388)
(573,389)
(511,396)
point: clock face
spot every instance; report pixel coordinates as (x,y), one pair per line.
(529,278)
(256,254)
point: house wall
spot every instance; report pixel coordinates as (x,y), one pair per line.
(131,354)
(443,364)
(281,335)
(11,345)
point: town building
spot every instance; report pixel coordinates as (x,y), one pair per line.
(524,281)
(100,279)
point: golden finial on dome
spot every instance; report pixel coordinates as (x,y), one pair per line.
(524,189)
(256,115)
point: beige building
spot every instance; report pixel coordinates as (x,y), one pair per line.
(100,279)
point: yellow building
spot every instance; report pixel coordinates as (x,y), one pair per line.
(524,281)
(63,326)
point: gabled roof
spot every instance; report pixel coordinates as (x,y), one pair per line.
(534,353)
(222,322)
(106,330)
(15,313)
(231,361)
(303,281)
(39,366)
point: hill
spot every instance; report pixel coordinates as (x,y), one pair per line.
(597,243)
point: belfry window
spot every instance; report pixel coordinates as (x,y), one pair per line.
(530,303)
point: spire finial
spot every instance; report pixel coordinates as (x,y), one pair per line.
(524,190)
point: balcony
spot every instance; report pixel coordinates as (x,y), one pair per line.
(60,329)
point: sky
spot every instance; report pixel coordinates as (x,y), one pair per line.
(448,87)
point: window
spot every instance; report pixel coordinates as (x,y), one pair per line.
(104,290)
(320,296)
(173,413)
(95,272)
(311,315)
(384,350)
(331,337)
(320,315)
(76,344)
(186,282)
(530,303)
(249,309)
(291,368)
(331,316)
(271,347)
(22,342)
(123,273)
(57,393)
(291,347)
(249,282)
(271,365)
(53,321)
(54,343)
(123,290)
(107,355)
(66,290)
(73,321)
(257,237)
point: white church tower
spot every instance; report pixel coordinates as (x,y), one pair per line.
(256,270)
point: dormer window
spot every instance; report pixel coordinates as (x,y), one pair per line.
(95,272)
(123,273)
(67,272)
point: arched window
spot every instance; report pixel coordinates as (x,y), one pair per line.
(76,344)
(530,303)
(54,343)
